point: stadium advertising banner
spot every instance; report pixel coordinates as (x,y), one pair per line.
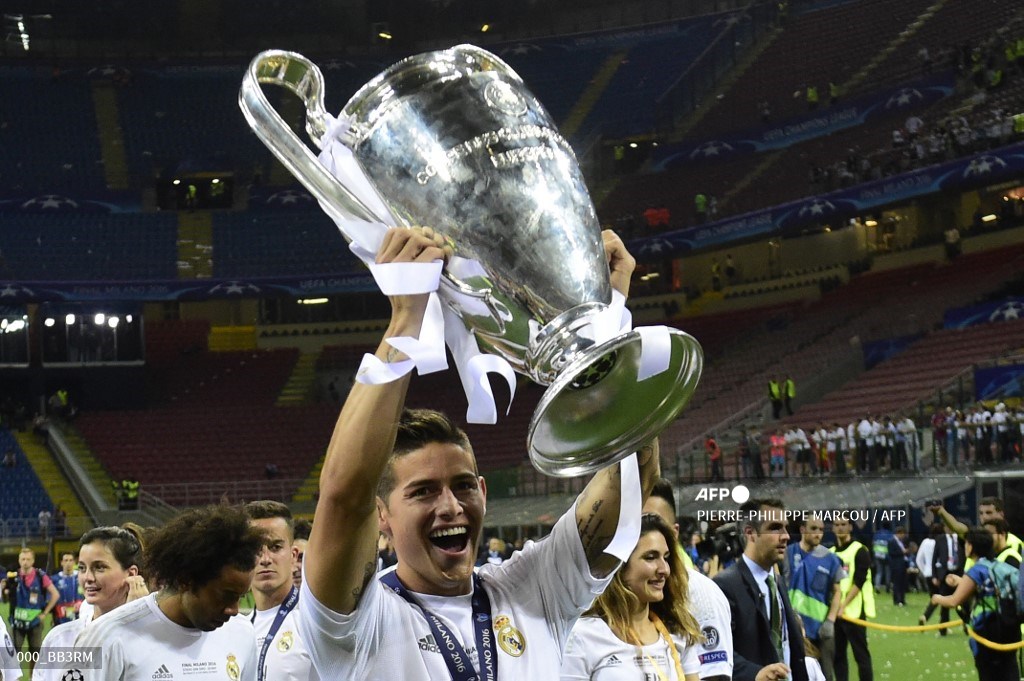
(825,121)
(999,382)
(964,174)
(995,311)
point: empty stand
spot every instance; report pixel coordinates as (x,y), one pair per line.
(21,493)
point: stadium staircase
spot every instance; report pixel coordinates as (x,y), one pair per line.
(56,485)
(595,88)
(299,387)
(904,36)
(115,163)
(98,475)
(195,245)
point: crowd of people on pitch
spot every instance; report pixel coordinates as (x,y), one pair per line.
(978,435)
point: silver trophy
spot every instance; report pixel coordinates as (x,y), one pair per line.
(454,140)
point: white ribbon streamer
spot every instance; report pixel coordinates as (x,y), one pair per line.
(473,368)
(627,533)
(655,351)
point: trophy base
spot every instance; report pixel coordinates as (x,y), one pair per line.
(596,413)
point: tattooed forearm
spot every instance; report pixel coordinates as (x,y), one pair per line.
(392,355)
(368,571)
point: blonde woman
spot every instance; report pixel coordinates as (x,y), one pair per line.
(641,627)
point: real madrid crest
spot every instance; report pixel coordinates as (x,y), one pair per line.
(284,644)
(510,639)
(234,671)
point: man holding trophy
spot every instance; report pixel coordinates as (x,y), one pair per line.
(514,275)
(433,618)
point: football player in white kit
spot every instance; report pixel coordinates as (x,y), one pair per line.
(282,653)
(204,560)
(414,477)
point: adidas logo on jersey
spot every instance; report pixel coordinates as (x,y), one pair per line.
(614,660)
(428,644)
(162,673)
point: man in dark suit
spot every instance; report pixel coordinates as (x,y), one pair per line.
(768,646)
(948,559)
(897,558)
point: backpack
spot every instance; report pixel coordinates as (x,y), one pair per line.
(1007,580)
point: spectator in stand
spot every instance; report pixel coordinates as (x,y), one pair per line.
(765,109)
(777,465)
(775,396)
(730,264)
(700,208)
(811,97)
(913,126)
(714,452)
(925,59)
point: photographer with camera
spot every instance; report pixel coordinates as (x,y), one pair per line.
(33,600)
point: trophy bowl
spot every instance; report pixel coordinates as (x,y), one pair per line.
(454,139)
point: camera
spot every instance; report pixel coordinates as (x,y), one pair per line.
(933,504)
(726,543)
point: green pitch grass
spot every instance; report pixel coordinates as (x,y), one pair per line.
(897,656)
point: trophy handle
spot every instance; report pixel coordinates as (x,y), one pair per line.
(298,74)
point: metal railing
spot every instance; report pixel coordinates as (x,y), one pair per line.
(28,528)
(188,494)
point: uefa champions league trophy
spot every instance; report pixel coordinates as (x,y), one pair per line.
(454,140)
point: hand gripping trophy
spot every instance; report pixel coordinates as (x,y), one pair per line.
(454,140)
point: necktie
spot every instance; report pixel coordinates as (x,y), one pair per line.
(774,618)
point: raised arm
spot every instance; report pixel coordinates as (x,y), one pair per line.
(341,555)
(597,508)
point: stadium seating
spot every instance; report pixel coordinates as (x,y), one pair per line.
(83,246)
(21,493)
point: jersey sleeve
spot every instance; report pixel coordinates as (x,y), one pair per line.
(554,574)
(690,658)
(574,661)
(337,641)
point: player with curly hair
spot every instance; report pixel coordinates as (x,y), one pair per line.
(203,561)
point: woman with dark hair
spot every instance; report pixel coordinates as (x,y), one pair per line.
(108,571)
(979,582)
(643,615)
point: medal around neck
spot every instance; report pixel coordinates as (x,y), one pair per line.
(454,140)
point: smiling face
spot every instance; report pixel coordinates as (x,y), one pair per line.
(273,576)
(103,579)
(210,606)
(434,517)
(648,568)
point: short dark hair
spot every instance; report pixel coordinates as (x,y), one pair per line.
(301,528)
(194,546)
(998,524)
(749,513)
(981,542)
(663,490)
(66,553)
(261,510)
(418,428)
(991,501)
(122,544)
